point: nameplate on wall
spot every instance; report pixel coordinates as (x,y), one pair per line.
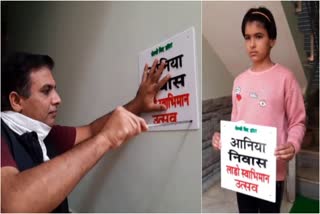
(180,93)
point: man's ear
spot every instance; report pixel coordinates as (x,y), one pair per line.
(15,101)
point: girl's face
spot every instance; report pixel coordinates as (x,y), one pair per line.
(258,43)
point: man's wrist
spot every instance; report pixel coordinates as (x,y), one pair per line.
(135,106)
(104,140)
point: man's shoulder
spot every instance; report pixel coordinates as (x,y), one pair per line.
(58,127)
(65,133)
(63,137)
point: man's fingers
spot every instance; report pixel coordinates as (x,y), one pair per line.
(122,126)
(134,128)
(143,124)
(159,71)
(163,81)
(145,73)
(158,107)
(153,67)
(138,126)
(140,123)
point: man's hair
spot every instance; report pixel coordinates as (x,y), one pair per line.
(15,74)
(263,16)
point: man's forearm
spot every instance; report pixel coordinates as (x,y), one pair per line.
(98,124)
(43,188)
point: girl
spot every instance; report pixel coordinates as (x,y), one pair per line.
(267,94)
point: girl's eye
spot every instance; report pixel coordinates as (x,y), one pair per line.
(259,36)
(247,38)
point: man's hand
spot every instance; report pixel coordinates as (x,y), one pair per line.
(216,141)
(121,126)
(149,87)
(285,152)
(143,102)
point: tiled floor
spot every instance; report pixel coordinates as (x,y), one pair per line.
(220,200)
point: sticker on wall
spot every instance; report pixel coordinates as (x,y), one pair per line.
(179,94)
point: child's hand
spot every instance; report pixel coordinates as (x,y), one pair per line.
(216,141)
(285,152)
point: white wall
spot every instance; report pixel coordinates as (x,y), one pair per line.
(216,80)
(95,46)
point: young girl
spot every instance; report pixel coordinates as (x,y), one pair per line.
(267,94)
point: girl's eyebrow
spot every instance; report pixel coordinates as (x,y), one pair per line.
(258,33)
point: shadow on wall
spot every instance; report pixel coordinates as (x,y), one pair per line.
(99,177)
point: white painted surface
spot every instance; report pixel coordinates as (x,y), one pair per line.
(95,46)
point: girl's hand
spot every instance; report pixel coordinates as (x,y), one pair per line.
(285,152)
(216,141)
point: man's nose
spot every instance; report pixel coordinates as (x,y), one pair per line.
(56,100)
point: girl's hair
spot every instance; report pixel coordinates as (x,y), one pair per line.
(262,15)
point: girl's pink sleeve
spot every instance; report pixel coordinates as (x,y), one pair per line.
(295,112)
(234,107)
